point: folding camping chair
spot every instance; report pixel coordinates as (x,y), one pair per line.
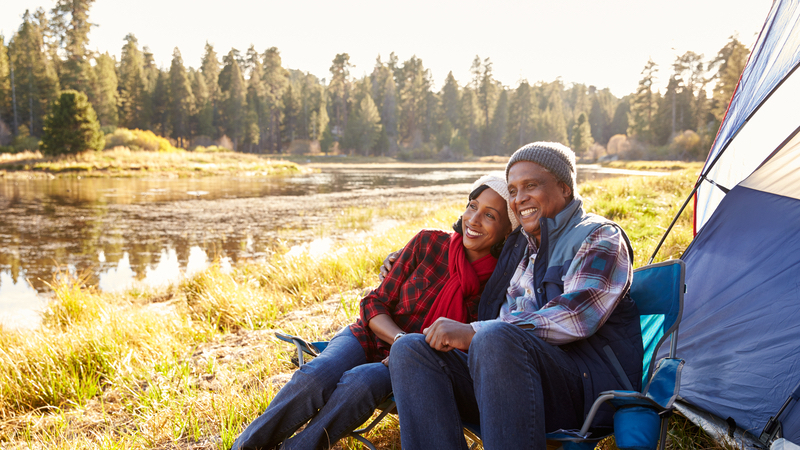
(314,349)
(657,290)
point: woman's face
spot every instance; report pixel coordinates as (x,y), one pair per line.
(485,223)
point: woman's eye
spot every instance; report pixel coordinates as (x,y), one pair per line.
(490,216)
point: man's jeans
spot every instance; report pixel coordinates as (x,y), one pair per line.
(511,382)
(337,388)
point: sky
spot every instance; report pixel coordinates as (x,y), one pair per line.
(602,43)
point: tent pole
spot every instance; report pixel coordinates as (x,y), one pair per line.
(675,219)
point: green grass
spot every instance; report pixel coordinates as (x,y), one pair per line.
(190,365)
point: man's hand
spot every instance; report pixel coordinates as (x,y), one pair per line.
(446,334)
(387,264)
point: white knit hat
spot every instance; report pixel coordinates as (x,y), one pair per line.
(500,186)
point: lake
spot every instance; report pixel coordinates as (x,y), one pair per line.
(120,232)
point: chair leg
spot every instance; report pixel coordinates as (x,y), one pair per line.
(662,441)
(359,434)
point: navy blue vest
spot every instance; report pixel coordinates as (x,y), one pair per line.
(560,239)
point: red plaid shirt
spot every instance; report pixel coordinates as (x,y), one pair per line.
(408,291)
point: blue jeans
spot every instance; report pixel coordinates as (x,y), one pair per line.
(338,390)
(513,384)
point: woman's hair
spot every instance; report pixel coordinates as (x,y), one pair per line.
(458,227)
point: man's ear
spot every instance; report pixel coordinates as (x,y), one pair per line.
(565,189)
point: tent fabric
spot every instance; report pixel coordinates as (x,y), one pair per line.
(775,54)
(741,320)
(781,174)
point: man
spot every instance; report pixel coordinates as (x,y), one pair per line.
(555,325)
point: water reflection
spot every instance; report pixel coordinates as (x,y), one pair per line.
(21,305)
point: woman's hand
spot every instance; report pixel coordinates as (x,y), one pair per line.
(387,264)
(446,334)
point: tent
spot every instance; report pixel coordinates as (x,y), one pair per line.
(740,333)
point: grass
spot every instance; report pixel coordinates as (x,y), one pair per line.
(123,162)
(190,365)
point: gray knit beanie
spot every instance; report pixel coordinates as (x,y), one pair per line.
(558,159)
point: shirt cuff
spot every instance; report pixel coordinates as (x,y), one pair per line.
(374,310)
(478,325)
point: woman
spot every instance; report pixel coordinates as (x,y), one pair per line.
(437,274)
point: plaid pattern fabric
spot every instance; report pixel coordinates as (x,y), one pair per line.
(408,291)
(597,277)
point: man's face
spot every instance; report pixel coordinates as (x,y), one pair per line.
(535,193)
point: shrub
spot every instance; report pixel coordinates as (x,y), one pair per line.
(72,126)
(427,151)
(138,140)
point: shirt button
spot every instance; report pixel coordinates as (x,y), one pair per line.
(539,290)
(516,245)
(528,291)
(585,375)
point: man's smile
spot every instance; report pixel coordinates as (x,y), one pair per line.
(528,212)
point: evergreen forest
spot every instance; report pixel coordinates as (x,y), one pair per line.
(249,102)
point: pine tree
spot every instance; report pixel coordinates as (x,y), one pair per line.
(581,135)
(5,84)
(182,100)
(450,99)
(339,93)
(364,128)
(552,124)
(256,99)
(35,81)
(729,64)
(600,113)
(72,126)
(210,69)
(159,105)
(486,92)
(414,101)
(644,104)
(132,88)
(467,118)
(499,125)
(234,98)
(292,104)
(522,124)
(107,96)
(76,72)
(203,119)
(276,79)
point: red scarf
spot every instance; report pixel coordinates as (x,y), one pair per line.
(464,281)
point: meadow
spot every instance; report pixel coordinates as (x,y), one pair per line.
(188,366)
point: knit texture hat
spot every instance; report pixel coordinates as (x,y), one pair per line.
(558,159)
(500,186)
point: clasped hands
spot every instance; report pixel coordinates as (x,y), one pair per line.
(445,335)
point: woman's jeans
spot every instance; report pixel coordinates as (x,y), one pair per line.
(338,390)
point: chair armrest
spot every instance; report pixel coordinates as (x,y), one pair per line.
(665,384)
(303,346)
